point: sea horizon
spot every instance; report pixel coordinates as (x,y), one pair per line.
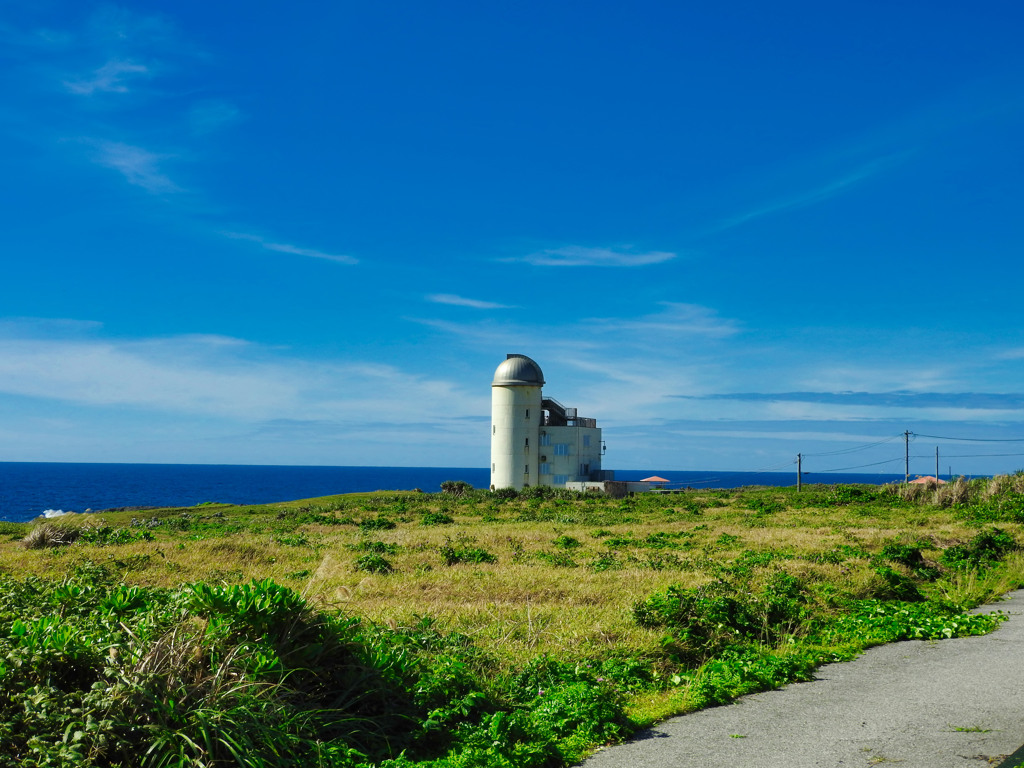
(30,489)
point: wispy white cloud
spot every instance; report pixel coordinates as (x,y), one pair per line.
(460,301)
(901,400)
(291,249)
(223,378)
(675,320)
(581,256)
(811,196)
(112,77)
(138,166)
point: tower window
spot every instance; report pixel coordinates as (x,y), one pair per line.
(561,449)
(527,442)
(527,413)
(526,470)
(494,429)
(545,439)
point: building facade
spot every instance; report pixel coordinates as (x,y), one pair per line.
(537,440)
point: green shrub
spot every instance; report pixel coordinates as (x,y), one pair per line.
(461,550)
(375,547)
(377,524)
(373,563)
(567,542)
(436,518)
(983,551)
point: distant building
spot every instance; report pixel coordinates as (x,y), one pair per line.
(536,440)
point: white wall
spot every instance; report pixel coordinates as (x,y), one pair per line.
(515,426)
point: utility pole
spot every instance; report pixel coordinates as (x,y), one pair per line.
(799,473)
(906,456)
(936,467)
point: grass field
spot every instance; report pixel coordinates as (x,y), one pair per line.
(464,628)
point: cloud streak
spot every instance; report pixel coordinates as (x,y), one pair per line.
(675,320)
(221,378)
(110,78)
(809,197)
(960,400)
(581,256)
(139,166)
(293,250)
(460,301)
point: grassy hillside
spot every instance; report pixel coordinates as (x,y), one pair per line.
(463,628)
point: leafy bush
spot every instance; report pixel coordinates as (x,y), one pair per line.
(374,563)
(461,550)
(376,547)
(765,506)
(983,551)
(896,586)
(736,672)
(436,518)
(873,622)
(701,622)
(377,524)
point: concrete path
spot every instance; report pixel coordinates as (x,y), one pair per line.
(916,704)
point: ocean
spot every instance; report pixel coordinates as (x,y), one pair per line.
(31,489)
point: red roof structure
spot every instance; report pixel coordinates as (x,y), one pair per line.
(926,480)
(654,479)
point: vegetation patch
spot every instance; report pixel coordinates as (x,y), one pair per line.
(171,640)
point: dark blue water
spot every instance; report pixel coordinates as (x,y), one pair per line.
(28,490)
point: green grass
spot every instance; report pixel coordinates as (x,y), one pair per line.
(464,628)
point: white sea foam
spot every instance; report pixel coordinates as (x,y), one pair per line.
(53,512)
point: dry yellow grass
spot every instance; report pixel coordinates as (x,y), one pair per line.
(543,594)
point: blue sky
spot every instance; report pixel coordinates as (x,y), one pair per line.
(308,233)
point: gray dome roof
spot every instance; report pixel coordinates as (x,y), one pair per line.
(518,371)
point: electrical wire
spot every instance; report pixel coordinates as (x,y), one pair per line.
(860,466)
(974,439)
(976,455)
(855,449)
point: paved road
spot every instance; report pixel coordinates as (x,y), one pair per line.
(900,704)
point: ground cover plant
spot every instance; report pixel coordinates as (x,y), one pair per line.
(465,628)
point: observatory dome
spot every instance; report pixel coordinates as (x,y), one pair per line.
(518,371)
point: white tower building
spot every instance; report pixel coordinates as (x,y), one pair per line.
(537,440)
(515,423)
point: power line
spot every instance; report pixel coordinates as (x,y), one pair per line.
(855,449)
(974,439)
(861,466)
(976,455)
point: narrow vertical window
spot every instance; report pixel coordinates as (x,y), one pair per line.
(494,429)
(527,413)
